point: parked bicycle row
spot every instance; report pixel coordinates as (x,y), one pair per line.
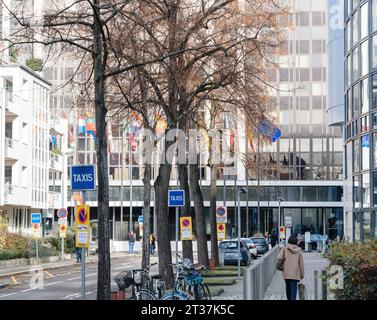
(188,283)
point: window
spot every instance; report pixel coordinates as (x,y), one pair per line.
(374,91)
(356,154)
(271,75)
(304,18)
(364,21)
(316,18)
(374,51)
(366,226)
(355,64)
(356,107)
(365,190)
(355,28)
(284,74)
(284,103)
(317,46)
(364,58)
(374,177)
(356,194)
(364,96)
(357,230)
(304,74)
(303,46)
(317,74)
(374,19)
(317,102)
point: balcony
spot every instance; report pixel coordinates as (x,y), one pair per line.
(14,150)
(11,108)
(15,195)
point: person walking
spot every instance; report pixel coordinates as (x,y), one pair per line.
(152,243)
(274,239)
(78,250)
(293,266)
(131,242)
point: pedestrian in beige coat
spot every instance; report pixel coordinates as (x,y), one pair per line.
(293,267)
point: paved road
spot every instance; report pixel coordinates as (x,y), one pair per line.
(65,283)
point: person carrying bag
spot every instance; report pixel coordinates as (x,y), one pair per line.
(291,262)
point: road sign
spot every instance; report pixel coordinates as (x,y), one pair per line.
(140,220)
(82,177)
(282,232)
(62,213)
(82,215)
(186,228)
(82,226)
(63,230)
(37,230)
(221,215)
(176,198)
(288,221)
(36,218)
(221,231)
(62,221)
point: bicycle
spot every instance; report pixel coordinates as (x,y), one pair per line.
(193,281)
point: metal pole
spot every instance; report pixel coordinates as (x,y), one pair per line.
(258,187)
(130,168)
(316,280)
(176,223)
(83,261)
(239,235)
(121,188)
(36,245)
(279,222)
(62,192)
(324,284)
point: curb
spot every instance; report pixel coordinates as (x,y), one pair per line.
(4,285)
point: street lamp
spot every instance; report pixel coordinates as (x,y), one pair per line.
(280,200)
(239,191)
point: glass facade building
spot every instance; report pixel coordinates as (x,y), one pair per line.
(361,119)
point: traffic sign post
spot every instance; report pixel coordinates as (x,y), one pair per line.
(62,215)
(186,228)
(82,179)
(36,221)
(176,198)
(221,215)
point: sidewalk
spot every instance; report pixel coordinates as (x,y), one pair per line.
(6,272)
(313,261)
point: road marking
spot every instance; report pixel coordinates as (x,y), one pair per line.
(14,279)
(50,284)
(73,279)
(49,274)
(89,275)
(26,290)
(9,294)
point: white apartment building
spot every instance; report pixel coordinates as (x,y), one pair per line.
(25,156)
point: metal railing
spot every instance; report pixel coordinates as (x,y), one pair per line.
(258,277)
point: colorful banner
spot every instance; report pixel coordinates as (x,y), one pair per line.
(221,231)
(186,228)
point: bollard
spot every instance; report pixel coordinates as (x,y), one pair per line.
(249,284)
(324,284)
(316,285)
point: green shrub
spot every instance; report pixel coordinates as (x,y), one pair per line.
(359,263)
(6,254)
(34,64)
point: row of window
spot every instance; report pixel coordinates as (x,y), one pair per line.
(365,225)
(302,74)
(291,193)
(361,98)
(358,26)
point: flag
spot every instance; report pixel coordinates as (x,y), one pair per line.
(269,130)
(227,126)
(251,140)
(71,140)
(53,139)
(133,129)
(90,126)
(81,125)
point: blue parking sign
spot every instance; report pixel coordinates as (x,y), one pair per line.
(176,198)
(82,177)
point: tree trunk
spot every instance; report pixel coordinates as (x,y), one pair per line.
(186,212)
(162,212)
(99,63)
(212,215)
(147,214)
(200,221)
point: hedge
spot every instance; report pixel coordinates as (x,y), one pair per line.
(359,263)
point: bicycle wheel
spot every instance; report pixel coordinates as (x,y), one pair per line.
(203,292)
(145,295)
(176,295)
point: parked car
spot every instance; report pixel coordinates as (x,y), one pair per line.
(314,239)
(261,243)
(229,249)
(251,246)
